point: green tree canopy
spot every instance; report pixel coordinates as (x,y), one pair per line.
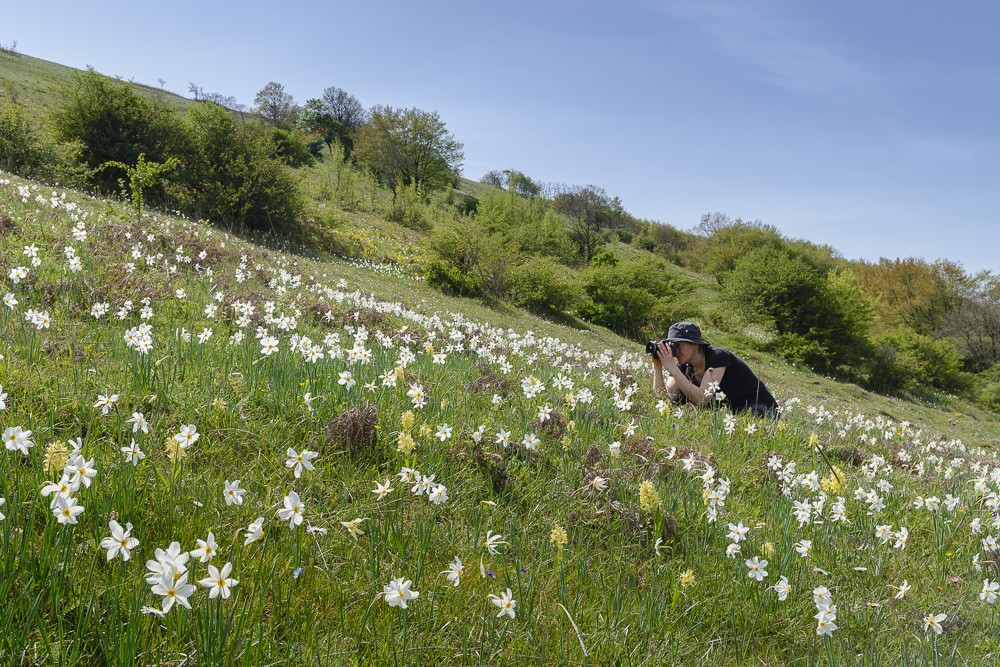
(409,146)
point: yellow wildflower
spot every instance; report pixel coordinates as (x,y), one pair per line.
(174,450)
(769,549)
(649,499)
(407,420)
(56,456)
(687,579)
(558,537)
(834,481)
(405,444)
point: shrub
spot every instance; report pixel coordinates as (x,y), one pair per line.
(112,123)
(989,388)
(236,179)
(291,148)
(542,284)
(450,280)
(905,358)
(464,254)
(33,153)
(409,209)
(817,319)
(635,298)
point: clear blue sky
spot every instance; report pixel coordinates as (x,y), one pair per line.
(870,126)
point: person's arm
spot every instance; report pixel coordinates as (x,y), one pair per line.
(658,382)
(678,383)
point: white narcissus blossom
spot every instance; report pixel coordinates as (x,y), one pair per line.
(292,511)
(506,603)
(354,527)
(120,541)
(455,571)
(16,438)
(493,542)
(398,593)
(439,494)
(206,548)
(382,490)
(188,436)
(933,622)
(219,582)
(66,510)
(174,590)
(755,568)
(300,461)
(133,454)
(233,493)
(989,592)
(255,531)
(782,588)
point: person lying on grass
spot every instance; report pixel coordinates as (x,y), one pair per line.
(702,371)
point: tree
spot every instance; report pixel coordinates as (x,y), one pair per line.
(520,183)
(912,292)
(316,118)
(974,325)
(408,147)
(274,104)
(141,177)
(823,321)
(344,107)
(591,212)
(496,178)
(237,179)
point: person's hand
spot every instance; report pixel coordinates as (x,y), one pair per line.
(665,357)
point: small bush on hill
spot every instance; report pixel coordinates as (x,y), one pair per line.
(905,358)
(291,148)
(820,321)
(989,388)
(113,123)
(33,153)
(235,179)
(637,298)
(540,284)
(468,260)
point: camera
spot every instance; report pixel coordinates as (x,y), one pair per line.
(651,346)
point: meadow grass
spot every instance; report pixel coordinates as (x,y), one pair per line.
(536,454)
(41,83)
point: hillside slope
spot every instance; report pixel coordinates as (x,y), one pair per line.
(39,83)
(300,447)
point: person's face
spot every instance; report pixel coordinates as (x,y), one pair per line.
(685,351)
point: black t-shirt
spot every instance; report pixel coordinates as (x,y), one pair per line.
(739,384)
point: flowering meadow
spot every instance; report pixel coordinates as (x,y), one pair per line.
(218,454)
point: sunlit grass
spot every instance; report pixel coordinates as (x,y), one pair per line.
(535,490)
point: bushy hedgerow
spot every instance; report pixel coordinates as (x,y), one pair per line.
(903,358)
(635,298)
(32,152)
(821,320)
(541,284)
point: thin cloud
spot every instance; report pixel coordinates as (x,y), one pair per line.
(776,49)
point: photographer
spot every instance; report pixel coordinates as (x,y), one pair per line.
(699,364)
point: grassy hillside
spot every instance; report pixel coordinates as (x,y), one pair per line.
(607,520)
(290,436)
(39,83)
